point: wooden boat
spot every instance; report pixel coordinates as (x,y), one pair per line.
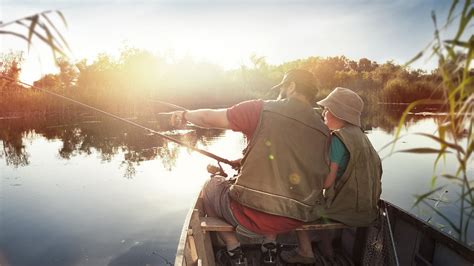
(396,238)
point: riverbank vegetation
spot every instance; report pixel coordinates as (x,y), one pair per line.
(129,83)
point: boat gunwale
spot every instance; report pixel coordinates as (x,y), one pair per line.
(180,258)
(428,229)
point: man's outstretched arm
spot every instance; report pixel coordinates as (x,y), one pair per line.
(207,118)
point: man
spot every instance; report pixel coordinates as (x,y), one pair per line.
(283,168)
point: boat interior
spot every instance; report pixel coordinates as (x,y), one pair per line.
(395,238)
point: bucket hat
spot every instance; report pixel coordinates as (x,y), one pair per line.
(344,104)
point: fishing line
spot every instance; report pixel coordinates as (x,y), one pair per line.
(168,104)
(151,131)
(394,248)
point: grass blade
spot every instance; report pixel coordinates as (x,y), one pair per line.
(51,36)
(416,57)
(451,177)
(390,143)
(451,9)
(57,31)
(54,48)
(453,226)
(459,43)
(404,115)
(465,18)
(443,142)
(62,17)
(421,197)
(51,43)
(469,217)
(14,34)
(424,150)
(469,191)
(433,181)
(34,21)
(433,18)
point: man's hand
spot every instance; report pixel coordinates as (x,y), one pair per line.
(174,119)
(178,119)
(236,164)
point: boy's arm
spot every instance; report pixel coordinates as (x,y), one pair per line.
(331,177)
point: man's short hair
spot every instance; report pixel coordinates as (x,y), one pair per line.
(304,80)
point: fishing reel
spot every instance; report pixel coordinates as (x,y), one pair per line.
(215,170)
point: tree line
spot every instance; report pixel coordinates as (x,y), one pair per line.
(129,84)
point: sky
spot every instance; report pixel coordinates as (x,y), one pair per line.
(227,32)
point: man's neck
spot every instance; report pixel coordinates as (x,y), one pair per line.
(300,98)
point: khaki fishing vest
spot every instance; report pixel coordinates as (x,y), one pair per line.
(353,199)
(286,162)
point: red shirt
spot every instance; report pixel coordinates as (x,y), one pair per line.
(244,117)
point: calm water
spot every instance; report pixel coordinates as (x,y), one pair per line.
(96,192)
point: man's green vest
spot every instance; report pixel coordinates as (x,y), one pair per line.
(286,162)
(353,199)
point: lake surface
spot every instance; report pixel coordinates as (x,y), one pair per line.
(97,192)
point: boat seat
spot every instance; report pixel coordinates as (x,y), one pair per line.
(213,224)
(322,225)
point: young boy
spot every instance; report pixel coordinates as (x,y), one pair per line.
(351,196)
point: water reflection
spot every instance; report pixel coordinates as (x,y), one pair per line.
(62,203)
(76,211)
(13,149)
(84,133)
(81,135)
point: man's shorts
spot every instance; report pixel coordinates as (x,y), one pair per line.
(216,197)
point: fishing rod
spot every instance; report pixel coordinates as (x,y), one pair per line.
(168,104)
(154,132)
